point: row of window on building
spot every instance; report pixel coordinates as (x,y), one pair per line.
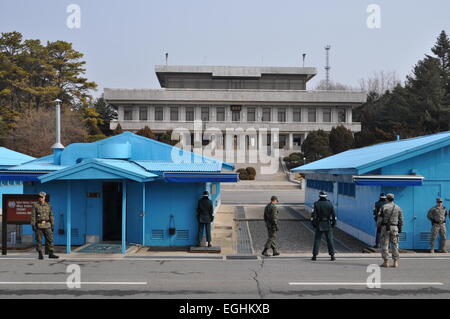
(346,189)
(262,84)
(236,112)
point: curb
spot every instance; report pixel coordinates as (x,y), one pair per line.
(231,257)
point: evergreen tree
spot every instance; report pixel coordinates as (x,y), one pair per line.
(92,121)
(341,139)
(420,107)
(442,51)
(316,145)
(146,132)
(107,114)
(166,137)
(33,75)
(118,130)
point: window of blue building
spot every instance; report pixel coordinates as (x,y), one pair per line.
(347,189)
(321,185)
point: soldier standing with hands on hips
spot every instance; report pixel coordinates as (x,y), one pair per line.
(271,220)
(391,226)
(42,222)
(437,216)
(323,219)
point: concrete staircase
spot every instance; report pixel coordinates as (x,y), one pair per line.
(278,180)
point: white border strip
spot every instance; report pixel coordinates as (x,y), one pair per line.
(388,177)
(365,283)
(71,283)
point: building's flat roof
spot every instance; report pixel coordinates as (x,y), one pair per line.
(232,71)
(232,96)
(235,71)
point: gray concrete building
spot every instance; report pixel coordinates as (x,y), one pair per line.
(240,97)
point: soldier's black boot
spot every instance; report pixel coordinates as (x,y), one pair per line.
(264,252)
(275,253)
(314,258)
(41,256)
(52,255)
(333,258)
(209,244)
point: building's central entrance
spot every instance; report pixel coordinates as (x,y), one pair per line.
(112,211)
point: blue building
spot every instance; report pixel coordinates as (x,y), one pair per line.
(416,170)
(124,188)
(10,158)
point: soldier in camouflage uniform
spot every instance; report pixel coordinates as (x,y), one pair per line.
(42,222)
(323,219)
(437,216)
(391,225)
(271,219)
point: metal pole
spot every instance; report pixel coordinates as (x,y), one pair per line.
(124,216)
(69,218)
(58,144)
(58,123)
(143,213)
(4,227)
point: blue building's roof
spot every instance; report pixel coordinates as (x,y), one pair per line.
(100,169)
(126,156)
(367,159)
(37,166)
(158,166)
(10,158)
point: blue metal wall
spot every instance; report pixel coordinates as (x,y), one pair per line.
(162,200)
(134,212)
(312,195)
(86,212)
(179,200)
(416,201)
(355,213)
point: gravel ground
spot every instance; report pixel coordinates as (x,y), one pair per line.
(257,212)
(351,242)
(292,237)
(295,237)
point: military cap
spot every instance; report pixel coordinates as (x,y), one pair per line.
(42,194)
(323,194)
(439,200)
(273,198)
(205,193)
(383,195)
(390,196)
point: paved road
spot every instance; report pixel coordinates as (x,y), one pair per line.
(219,278)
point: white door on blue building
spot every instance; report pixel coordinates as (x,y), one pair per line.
(424,199)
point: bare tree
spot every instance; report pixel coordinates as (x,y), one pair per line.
(34,132)
(333,86)
(379,82)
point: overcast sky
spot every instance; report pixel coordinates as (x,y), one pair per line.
(124,40)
